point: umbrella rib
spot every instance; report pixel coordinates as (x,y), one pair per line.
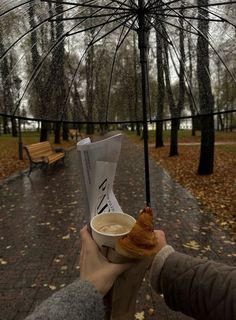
(92,42)
(134,4)
(158,31)
(204,36)
(119,43)
(89,17)
(221,18)
(123,4)
(89,45)
(15,7)
(28,32)
(94,6)
(100,24)
(194,18)
(110,31)
(176,26)
(42,61)
(116,122)
(152,5)
(197,6)
(185,76)
(111,73)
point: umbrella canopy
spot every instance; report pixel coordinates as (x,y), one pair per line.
(46,47)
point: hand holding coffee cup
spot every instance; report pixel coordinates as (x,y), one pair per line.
(130,238)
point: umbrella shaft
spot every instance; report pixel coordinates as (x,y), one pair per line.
(143,44)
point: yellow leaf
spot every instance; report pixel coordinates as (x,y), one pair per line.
(64,268)
(52,287)
(139,315)
(192,244)
(3,262)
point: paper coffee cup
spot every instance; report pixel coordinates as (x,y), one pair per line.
(108,227)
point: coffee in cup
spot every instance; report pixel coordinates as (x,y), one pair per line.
(108,227)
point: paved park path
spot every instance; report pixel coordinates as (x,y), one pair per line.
(40,219)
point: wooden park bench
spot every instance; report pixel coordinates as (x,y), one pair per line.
(42,154)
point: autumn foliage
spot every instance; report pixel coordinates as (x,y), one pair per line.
(216,193)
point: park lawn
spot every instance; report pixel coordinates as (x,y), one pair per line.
(216,193)
(9,158)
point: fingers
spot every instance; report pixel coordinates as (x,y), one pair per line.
(159,233)
(161,238)
(84,234)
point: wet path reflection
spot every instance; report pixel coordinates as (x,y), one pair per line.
(40,219)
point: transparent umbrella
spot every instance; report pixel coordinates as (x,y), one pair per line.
(36,37)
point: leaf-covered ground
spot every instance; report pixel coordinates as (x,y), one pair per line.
(9,158)
(216,193)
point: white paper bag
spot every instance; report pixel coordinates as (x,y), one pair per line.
(98,162)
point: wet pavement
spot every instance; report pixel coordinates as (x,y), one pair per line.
(40,219)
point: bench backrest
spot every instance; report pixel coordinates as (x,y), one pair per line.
(39,149)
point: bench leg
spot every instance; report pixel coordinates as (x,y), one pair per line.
(30,170)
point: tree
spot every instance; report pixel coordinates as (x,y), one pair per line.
(160,85)
(176,108)
(7,87)
(206,101)
(59,75)
(38,96)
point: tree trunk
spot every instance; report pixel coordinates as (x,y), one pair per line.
(7,97)
(65,135)
(159,135)
(206,101)
(174,138)
(5,125)
(190,83)
(174,134)
(206,162)
(138,129)
(58,62)
(90,128)
(13,127)
(44,131)
(160,85)
(194,120)
(57,132)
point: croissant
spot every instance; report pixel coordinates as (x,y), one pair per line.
(140,242)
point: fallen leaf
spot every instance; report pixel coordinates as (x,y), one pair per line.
(3,262)
(192,244)
(64,268)
(139,315)
(151,311)
(52,287)
(148,297)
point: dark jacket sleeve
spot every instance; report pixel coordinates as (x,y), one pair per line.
(197,287)
(77,301)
